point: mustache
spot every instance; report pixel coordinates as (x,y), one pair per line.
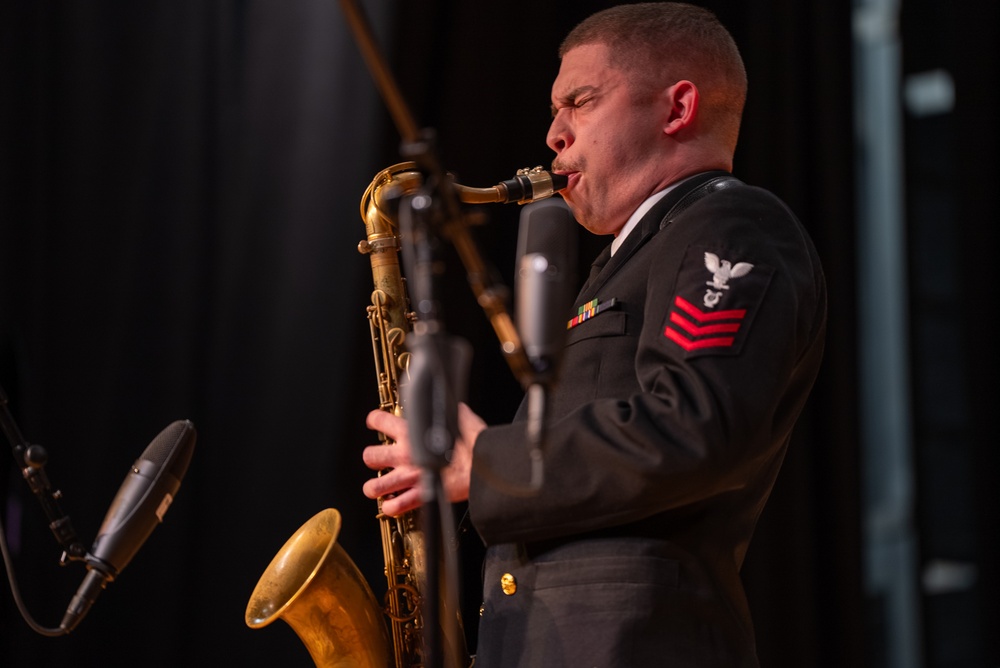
(561,166)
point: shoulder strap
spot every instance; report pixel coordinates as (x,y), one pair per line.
(710,186)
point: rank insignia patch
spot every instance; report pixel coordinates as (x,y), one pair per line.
(718,294)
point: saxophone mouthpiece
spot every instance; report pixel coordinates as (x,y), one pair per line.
(531,185)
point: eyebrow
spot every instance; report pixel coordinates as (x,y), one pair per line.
(570,96)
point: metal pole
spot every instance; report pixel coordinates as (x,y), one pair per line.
(890,537)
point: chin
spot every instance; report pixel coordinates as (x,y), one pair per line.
(581,216)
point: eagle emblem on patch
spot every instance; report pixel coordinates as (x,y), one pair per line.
(718,293)
(723,270)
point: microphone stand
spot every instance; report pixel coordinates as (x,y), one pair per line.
(437,377)
(438,361)
(31,460)
(417,145)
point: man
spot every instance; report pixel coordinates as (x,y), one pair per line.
(677,396)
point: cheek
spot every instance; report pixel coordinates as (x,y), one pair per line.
(619,146)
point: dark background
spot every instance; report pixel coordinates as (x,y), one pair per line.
(179,188)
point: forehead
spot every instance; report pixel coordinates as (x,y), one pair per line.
(584,66)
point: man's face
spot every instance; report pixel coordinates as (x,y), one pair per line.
(607,140)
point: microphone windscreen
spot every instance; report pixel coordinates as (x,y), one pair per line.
(545,281)
(168,448)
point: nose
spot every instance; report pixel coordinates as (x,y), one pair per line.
(559,137)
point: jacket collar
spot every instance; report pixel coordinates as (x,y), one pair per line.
(606,264)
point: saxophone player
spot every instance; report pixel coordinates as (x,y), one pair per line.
(675,403)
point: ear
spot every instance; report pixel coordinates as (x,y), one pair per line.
(682,106)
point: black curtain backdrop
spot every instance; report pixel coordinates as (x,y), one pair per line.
(178,226)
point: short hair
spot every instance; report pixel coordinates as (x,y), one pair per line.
(660,43)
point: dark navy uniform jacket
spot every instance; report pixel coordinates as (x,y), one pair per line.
(676,398)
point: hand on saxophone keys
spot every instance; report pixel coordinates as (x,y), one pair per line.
(399,485)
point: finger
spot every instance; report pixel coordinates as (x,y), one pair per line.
(396,481)
(378,457)
(385,422)
(402,503)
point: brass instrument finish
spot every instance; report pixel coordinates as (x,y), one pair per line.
(312,583)
(315,587)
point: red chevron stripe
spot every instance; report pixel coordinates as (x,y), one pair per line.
(687,344)
(698,314)
(696,330)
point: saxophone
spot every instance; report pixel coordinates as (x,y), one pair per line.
(312,583)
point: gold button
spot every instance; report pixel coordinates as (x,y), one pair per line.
(482,608)
(508,584)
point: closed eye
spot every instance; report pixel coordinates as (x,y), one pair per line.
(575,99)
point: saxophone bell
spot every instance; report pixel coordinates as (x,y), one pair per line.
(315,587)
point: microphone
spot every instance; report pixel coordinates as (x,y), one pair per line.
(140,504)
(545,283)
